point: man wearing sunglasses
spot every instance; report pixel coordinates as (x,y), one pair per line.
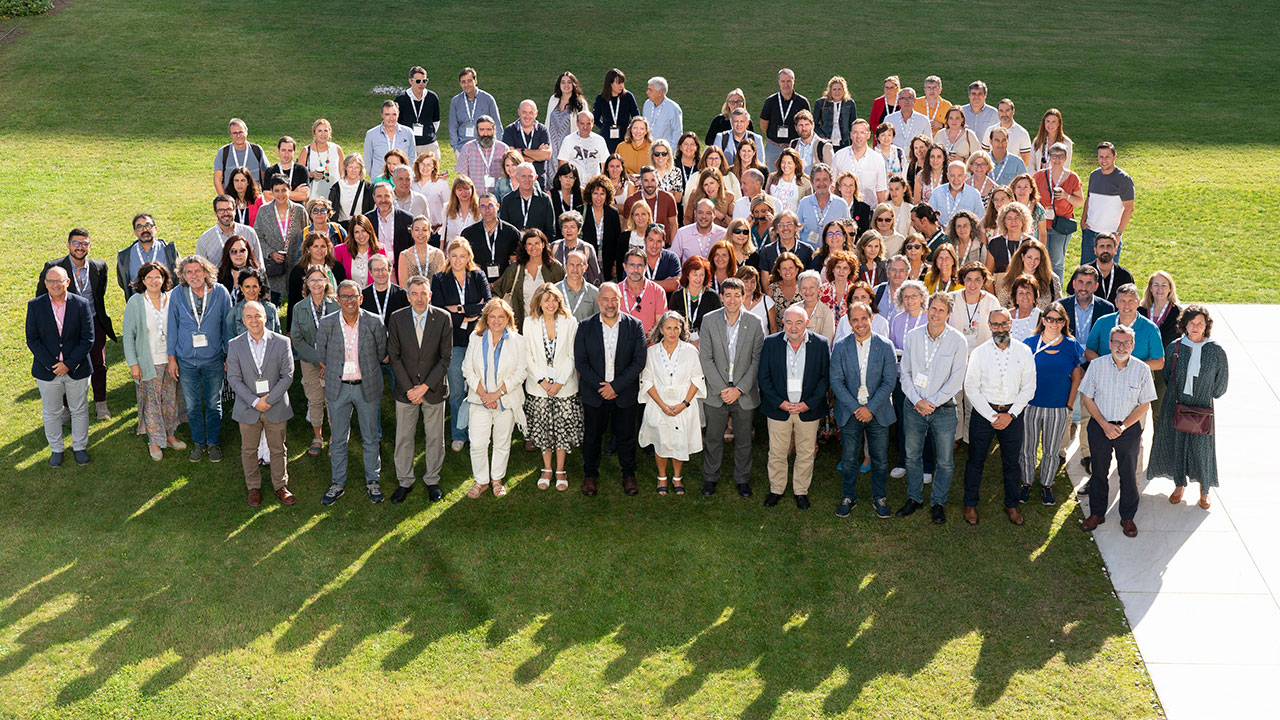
(642,298)
(88,279)
(147,248)
(420,111)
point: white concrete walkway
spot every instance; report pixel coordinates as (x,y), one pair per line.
(1201,588)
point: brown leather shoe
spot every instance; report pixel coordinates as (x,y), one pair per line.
(255,497)
(1204,502)
(1092,522)
(629,485)
(1175,497)
(1015,515)
(1130,530)
(286,497)
(971,515)
(589,486)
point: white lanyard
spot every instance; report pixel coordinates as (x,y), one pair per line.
(315,313)
(350,340)
(161,315)
(259,352)
(615,108)
(626,297)
(288,174)
(199,317)
(486,160)
(731,331)
(951,200)
(787,110)
(492,242)
(1107,282)
(1159,319)
(417,107)
(793,357)
(691,306)
(999,167)
(386,298)
(155,250)
(908,326)
(951,144)
(929,114)
(651,272)
(417,262)
(239,163)
(930,342)
(548,345)
(528,139)
(283,222)
(654,206)
(573,307)
(82,278)
(669,363)
(462,290)
(471,107)
(657,112)
(871,270)
(1054,183)
(1041,345)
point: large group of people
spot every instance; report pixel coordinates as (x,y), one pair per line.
(851,279)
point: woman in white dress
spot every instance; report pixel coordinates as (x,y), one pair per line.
(494,368)
(670,382)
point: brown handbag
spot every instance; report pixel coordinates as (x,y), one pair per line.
(1189,418)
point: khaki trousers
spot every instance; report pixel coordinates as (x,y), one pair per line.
(313,388)
(781,434)
(250,436)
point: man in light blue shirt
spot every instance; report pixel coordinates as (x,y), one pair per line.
(1004,167)
(821,207)
(955,195)
(382,139)
(978,115)
(466,107)
(666,119)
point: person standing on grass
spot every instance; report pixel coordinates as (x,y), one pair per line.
(197,349)
(146,332)
(731,341)
(260,371)
(387,136)
(1000,381)
(239,153)
(467,109)
(351,344)
(147,248)
(60,335)
(420,111)
(793,391)
(88,278)
(1058,358)
(670,384)
(1117,391)
(778,116)
(209,245)
(420,345)
(1109,205)
(863,375)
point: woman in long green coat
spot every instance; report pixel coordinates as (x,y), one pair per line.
(1197,377)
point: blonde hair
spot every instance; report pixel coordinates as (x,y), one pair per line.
(461,242)
(544,290)
(1021,210)
(495,304)
(1148,299)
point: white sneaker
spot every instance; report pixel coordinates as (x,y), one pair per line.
(898,472)
(928,478)
(103,412)
(458,445)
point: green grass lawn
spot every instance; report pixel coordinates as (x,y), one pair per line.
(133,589)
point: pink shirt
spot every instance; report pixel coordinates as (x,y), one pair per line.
(653,302)
(350,347)
(59,316)
(688,242)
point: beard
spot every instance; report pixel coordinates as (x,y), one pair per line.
(486,141)
(1001,338)
(1105,257)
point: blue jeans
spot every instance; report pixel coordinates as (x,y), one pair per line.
(940,425)
(1086,246)
(899,401)
(202,393)
(457,395)
(1057,243)
(351,397)
(851,459)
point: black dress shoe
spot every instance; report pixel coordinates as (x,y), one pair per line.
(909,507)
(589,486)
(1087,464)
(802,502)
(434,494)
(938,514)
(708,489)
(744,490)
(398,496)
(772,499)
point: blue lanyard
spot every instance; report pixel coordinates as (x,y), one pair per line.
(497,355)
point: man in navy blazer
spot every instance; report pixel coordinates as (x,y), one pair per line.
(609,352)
(1083,308)
(401,221)
(793,396)
(863,372)
(60,335)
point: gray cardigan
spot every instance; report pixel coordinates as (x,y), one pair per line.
(306,325)
(267,226)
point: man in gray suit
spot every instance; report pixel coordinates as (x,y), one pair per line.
(351,344)
(730,353)
(863,374)
(420,343)
(260,371)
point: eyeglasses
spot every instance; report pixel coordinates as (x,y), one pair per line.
(238,251)
(884,219)
(741,231)
(661,154)
(1054,319)
(835,234)
(1001,325)
(144,226)
(320,211)
(80,243)
(347,297)
(914,246)
(786,223)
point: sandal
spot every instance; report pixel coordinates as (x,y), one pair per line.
(678,485)
(544,482)
(562,480)
(662,486)
(499,489)
(477,490)
(316,446)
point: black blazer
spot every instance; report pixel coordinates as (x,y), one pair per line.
(541,213)
(403,239)
(1168,328)
(588,356)
(397,299)
(1100,307)
(97,279)
(365,189)
(46,343)
(504,246)
(707,304)
(444,292)
(609,248)
(413,364)
(773,376)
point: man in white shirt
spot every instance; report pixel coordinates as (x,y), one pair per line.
(390,135)
(666,119)
(752,185)
(697,237)
(209,245)
(403,196)
(978,115)
(1019,139)
(956,195)
(584,149)
(859,159)
(1000,382)
(906,122)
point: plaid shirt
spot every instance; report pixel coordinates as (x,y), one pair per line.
(471,163)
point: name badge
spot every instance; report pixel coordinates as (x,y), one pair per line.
(349,368)
(794,385)
(784,133)
(469,132)
(493,271)
(199,340)
(922,380)
(417,129)
(614,134)
(488,182)
(262,387)
(813,239)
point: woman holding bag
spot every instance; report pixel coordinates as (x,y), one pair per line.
(1195,370)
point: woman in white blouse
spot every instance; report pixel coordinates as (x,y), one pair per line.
(494,368)
(671,381)
(321,158)
(146,329)
(431,183)
(552,406)
(463,208)
(958,140)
